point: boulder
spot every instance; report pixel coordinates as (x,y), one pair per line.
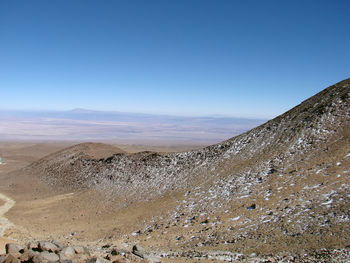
(28,255)
(34,246)
(11,259)
(58,244)
(48,246)
(81,250)
(67,253)
(14,249)
(138,251)
(46,257)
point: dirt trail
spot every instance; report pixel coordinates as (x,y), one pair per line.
(4,222)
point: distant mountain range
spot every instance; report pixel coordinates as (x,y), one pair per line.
(119,127)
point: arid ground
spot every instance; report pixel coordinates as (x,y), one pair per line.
(40,213)
(279,190)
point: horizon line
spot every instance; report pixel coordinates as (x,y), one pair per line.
(190,115)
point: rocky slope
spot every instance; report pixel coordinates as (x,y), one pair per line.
(54,251)
(278,144)
(282,186)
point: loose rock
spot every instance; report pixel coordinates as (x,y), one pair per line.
(138,251)
(45,257)
(48,246)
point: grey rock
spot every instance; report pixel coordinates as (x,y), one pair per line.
(58,244)
(48,246)
(27,255)
(46,257)
(81,250)
(97,260)
(67,253)
(34,246)
(14,249)
(153,259)
(138,251)
(11,259)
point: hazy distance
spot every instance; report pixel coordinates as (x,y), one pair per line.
(119,127)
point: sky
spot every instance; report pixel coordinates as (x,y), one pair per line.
(186,57)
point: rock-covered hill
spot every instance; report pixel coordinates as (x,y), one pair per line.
(282,186)
(275,145)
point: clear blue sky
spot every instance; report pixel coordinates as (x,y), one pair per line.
(191,57)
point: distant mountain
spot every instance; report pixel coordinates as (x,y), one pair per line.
(283,186)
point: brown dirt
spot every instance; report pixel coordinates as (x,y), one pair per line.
(20,154)
(60,213)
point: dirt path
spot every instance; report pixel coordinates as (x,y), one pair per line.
(4,222)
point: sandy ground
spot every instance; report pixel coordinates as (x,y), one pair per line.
(41,213)
(6,204)
(4,222)
(20,154)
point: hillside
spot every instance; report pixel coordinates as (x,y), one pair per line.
(281,187)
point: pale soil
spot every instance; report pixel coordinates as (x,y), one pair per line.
(4,222)
(5,205)
(20,154)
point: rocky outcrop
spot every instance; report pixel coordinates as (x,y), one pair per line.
(68,254)
(48,252)
(44,251)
